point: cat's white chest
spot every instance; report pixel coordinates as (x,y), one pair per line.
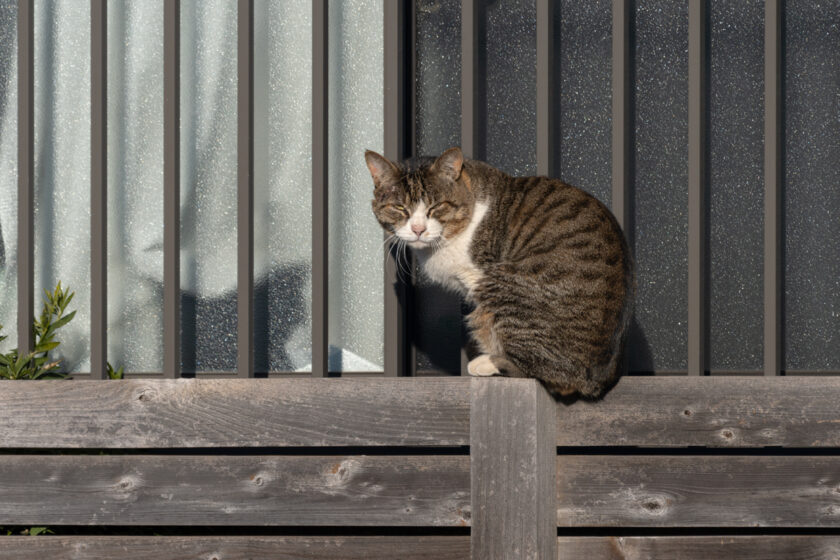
(452,264)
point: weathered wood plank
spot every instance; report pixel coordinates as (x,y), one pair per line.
(707,411)
(159,413)
(235,548)
(776,547)
(698,491)
(234,490)
(513,458)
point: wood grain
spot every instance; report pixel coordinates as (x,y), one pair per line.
(776,547)
(698,491)
(224,490)
(234,413)
(513,458)
(234,548)
(707,411)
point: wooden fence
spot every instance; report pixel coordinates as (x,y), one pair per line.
(435,468)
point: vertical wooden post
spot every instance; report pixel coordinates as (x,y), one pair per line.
(513,457)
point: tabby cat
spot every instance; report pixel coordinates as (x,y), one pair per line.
(545,265)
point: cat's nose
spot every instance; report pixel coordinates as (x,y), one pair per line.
(418,229)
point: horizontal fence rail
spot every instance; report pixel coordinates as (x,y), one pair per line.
(714,412)
(434,454)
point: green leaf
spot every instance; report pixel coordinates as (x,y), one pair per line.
(35,531)
(63,321)
(47,346)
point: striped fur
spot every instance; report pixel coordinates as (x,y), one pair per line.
(554,289)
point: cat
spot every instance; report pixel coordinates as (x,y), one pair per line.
(545,265)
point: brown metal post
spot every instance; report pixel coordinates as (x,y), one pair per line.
(320,207)
(26,173)
(546,103)
(172,190)
(98,190)
(697,122)
(245,187)
(773,123)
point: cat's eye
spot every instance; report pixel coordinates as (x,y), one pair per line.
(400,207)
(439,209)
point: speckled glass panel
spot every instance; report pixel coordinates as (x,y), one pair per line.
(812,176)
(583,77)
(282,185)
(436,316)
(512,85)
(135,185)
(355,238)
(208,185)
(62,167)
(659,340)
(736,171)
(438,75)
(8,173)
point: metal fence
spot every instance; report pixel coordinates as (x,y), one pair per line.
(399,122)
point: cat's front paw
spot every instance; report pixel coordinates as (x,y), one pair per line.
(482,366)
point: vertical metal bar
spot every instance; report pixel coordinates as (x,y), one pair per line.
(697,346)
(546,160)
(98,190)
(245,179)
(26,173)
(396,148)
(622,113)
(773,122)
(473,96)
(472,78)
(320,214)
(172,190)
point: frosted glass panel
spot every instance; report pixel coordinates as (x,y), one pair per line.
(208,185)
(282,185)
(585,105)
(135,185)
(661,181)
(511,86)
(812,176)
(436,319)
(355,237)
(438,63)
(736,171)
(585,76)
(62,166)
(8,173)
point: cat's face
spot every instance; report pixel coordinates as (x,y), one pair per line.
(423,205)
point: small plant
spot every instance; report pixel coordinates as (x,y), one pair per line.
(115,374)
(37,364)
(32,531)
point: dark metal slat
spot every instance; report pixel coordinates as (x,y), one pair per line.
(397,147)
(546,159)
(622,114)
(473,97)
(245,179)
(773,122)
(172,188)
(320,215)
(472,79)
(697,122)
(98,190)
(26,172)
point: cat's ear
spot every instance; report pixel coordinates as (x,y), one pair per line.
(450,163)
(382,170)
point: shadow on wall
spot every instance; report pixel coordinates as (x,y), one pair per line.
(640,357)
(208,324)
